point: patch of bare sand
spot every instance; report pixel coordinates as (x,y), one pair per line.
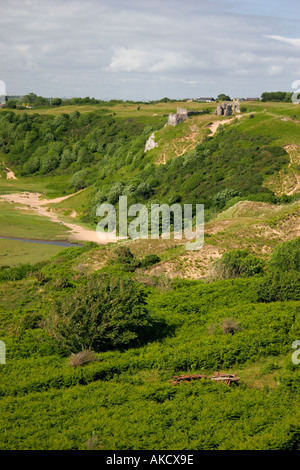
(213,127)
(191,265)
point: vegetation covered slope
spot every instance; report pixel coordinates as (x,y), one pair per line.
(238,313)
(106,152)
(121,397)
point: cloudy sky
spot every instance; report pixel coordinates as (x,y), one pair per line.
(149,49)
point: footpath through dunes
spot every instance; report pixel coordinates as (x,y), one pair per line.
(33,201)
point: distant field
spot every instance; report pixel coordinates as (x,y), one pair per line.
(136,109)
(25,224)
(13,252)
(279,120)
(51,186)
(123,109)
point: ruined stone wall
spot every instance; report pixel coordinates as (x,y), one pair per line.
(180,116)
(228,108)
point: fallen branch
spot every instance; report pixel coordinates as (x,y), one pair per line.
(216,377)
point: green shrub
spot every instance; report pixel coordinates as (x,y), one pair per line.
(278,286)
(149,260)
(126,259)
(31,321)
(79,180)
(286,256)
(237,263)
(16,273)
(104,314)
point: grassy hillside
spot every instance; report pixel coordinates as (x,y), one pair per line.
(94,334)
(132,385)
(104,150)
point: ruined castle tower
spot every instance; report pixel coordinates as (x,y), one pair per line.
(228,108)
(180,116)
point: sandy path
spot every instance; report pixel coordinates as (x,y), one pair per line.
(214,126)
(33,201)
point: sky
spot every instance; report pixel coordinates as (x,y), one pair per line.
(149,49)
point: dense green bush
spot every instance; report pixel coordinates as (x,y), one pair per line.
(237,263)
(125,259)
(278,286)
(149,260)
(286,256)
(16,273)
(104,314)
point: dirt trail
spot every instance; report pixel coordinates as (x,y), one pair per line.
(40,206)
(214,126)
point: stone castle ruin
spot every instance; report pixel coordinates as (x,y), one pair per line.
(181,115)
(228,108)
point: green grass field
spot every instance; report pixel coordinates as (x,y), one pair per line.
(25,224)
(13,252)
(50,186)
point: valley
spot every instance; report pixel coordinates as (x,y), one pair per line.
(95,332)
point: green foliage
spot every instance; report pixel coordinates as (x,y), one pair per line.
(220,199)
(80,179)
(103,314)
(238,263)
(125,259)
(223,97)
(276,96)
(286,256)
(16,273)
(149,260)
(283,279)
(133,384)
(278,286)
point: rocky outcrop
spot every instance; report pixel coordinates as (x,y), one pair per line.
(151,144)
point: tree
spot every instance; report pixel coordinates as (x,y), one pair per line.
(223,97)
(12,104)
(30,98)
(106,313)
(276,96)
(56,102)
(286,256)
(238,263)
(79,180)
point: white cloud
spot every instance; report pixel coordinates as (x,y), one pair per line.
(109,48)
(274,70)
(290,41)
(138,60)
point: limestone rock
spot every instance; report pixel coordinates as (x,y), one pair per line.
(151,144)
